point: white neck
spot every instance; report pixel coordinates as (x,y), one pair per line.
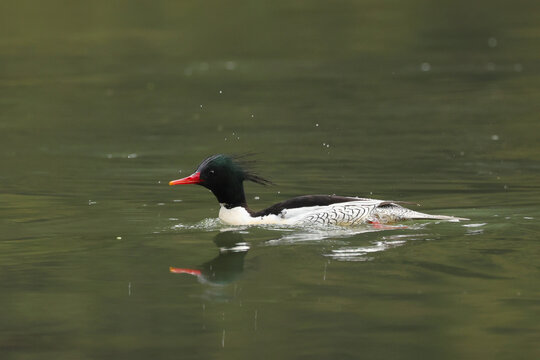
(240,216)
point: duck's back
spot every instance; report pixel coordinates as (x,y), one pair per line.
(305,201)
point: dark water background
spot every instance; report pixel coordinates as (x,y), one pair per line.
(101,103)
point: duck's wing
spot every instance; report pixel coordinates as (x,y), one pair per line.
(344,210)
(358,212)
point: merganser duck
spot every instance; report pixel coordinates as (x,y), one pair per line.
(224,176)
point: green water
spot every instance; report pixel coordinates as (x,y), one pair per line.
(102,103)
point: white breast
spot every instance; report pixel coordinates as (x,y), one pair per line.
(240,216)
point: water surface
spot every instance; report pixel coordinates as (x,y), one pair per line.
(102,104)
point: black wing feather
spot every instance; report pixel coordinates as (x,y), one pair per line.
(304,201)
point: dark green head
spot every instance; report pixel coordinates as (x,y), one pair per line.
(224,176)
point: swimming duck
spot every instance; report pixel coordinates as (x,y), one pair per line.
(224,176)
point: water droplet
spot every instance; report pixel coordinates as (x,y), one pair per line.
(316,125)
(221,91)
(494,137)
(132,156)
(118,238)
(230,65)
(492,42)
(425,66)
(257,198)
(204,66)
(490,66)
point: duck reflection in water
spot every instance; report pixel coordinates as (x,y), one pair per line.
(227,266)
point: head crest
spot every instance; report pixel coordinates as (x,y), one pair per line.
(239,163)
(245,163)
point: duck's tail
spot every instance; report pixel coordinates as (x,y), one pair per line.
(419,215)
(395,212)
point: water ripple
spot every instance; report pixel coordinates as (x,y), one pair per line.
(359,253)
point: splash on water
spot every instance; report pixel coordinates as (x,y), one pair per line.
(474,225)
(336,236)
(307,234)
(474,229)
(355,253)
(238,247)
(205,225)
